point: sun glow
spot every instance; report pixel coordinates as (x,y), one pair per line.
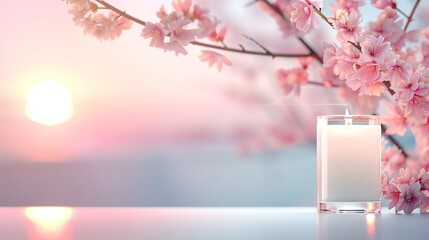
(50,219)
(49,103)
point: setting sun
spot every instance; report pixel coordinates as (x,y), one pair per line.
(49,103)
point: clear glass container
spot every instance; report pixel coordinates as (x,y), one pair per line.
(348,163)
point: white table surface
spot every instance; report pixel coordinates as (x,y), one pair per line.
(206,223)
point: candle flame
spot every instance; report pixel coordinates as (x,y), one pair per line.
(347,112)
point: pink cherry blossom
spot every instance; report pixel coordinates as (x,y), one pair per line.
(79,10)
(175,47)
(375,88)
(348,5)
(395,119)
(366,79)
(207,26)
(165,18)
(415,86)
(329,55)
(382,4)
(218,36)
(200,13)
(405,176)
(417,109)
(291,80)
(347,25)
(305,61)
(329,78)
(346,59)
(107,27)
(156,32)
(214,58)
(392,160)
(361,104)
(410,197)
(392,193)
(304,15)
(414,95)
(390,154)
(388,26)
(182,7)
(374,49)
(423,179)
(118,24)
(397,71)
(178,33)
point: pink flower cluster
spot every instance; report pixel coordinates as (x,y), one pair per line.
(304,14)
(102,26)
(182,26)
(407,191)
(174,31)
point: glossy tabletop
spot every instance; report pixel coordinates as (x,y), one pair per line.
(205,223)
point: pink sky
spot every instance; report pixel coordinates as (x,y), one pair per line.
(125,93)
(123,90)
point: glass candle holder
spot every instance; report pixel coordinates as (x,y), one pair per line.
(348,163)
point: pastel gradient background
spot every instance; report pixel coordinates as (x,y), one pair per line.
(149,128)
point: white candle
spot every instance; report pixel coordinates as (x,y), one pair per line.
(349,163)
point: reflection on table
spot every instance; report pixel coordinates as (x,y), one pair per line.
(205,223)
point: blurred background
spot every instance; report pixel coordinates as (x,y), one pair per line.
(146,128)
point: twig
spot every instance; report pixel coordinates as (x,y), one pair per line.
(260,45)
(410,18)
(355,45)
(401,12)
(318,84)
(243,50)
(388,85)
(251,3)
(123,13)
(318,11)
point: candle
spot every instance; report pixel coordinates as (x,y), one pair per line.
(348,163)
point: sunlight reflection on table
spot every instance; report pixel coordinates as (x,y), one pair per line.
(205,223)
(49,222)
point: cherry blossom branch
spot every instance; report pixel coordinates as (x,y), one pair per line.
(259,45)
(317,83)
(123,13)
(319,12)
(243,50)
(202,44)
(410,18)
(402,12)
(312,52)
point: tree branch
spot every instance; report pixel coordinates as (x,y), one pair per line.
(410,18)
(202,44)
(402,12)
(123,13)
(319,12)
